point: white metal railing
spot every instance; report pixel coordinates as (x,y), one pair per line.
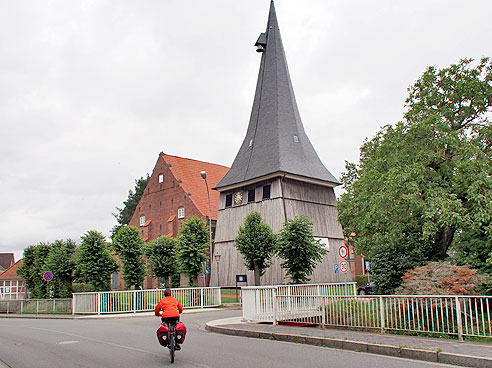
(262,303)
(142,300)
(36,306)
(436,314)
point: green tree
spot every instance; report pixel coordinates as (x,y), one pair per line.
(124,215)
(94,262)
(257,243)
(161,253)
(300,251)
(129,245)
(32,269)
(425,184)
(193,244)
(61,262)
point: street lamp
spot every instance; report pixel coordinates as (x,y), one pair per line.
(217,259)
(204,176)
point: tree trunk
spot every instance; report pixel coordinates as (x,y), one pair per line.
(257,276)
(445,237)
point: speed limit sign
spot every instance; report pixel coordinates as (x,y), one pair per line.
(343,251)
(344,266)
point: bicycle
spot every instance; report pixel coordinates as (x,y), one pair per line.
(171,339)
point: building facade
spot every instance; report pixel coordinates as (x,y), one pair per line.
(278,173)
(12,286)
(175,191)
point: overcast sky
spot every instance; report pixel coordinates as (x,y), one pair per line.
(92,91)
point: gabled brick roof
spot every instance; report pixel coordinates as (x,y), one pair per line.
(188,172)
(10,273)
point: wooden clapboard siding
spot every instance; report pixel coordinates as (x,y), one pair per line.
(230,219)
(231,264)
(307,192)
(324,217)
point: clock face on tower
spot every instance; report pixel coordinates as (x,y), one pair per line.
(238,197)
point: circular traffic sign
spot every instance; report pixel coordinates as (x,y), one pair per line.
(48,276)
(344,266)
(343,251)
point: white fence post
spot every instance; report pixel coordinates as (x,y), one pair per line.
(98,303)
(274,297)
(381,313)
(458,318)
(134,301)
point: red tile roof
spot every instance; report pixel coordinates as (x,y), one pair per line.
(9,273)
(188,171)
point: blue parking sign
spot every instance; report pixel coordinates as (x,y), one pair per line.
(336,268)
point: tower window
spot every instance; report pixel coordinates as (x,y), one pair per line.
(228,200)
(266,191)
(251,195)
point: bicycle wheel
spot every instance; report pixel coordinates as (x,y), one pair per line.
(172,347)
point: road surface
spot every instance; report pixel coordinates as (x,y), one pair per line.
(132,343)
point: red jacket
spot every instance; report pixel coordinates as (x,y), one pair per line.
(169,306)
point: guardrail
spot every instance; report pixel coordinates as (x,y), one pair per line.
(36,306)
(434,314)
(260,302)
(133,301)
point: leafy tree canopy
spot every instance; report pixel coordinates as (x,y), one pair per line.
(257,244)
(161,253)
(129,245)
(94,262)
(33,268)
(193,243)
(124,215)
(61,262)
(300,251)
(425,184)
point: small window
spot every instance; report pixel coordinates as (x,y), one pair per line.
(142,220)
(228,200)
(251,195)
(161,178)
(181,212)
(266,192)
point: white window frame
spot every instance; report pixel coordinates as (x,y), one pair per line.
(142,220)
(181,212)
(161,178)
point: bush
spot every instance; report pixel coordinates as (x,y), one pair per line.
(442,278)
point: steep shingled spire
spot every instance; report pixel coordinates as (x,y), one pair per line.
(275,141)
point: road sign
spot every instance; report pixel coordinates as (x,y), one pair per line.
(201,276)
(343,251)
(241,278)
(344,266)
(336,268)
(367,265)
(48,276)
(350,259)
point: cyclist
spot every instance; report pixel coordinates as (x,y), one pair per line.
(171,308)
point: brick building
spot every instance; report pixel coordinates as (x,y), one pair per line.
(176,191)
(12,285)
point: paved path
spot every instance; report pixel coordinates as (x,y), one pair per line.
(470,354)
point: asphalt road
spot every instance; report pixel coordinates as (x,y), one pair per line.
(131,343)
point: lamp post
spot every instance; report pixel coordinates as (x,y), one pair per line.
(204,176)
(217,259)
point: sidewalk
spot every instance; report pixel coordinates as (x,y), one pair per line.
(98,316)
(468,354)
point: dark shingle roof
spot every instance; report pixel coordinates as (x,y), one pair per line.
(275,141)
(6,260)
